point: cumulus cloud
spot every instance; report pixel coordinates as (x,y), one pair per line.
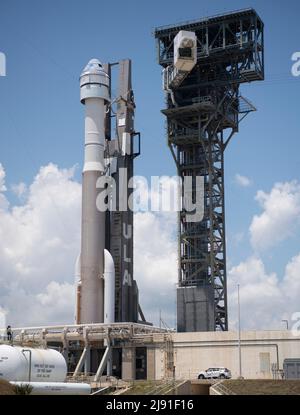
(3,200)
(160,194)
(155,263)
(259,291)
(270,297)
(242,181)
(265,298)
(291,282)
(2,318)
(280,217)
(19,189)
(39,242)
(2,179)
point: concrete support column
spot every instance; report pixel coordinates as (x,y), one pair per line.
(87,357)
(109,363)
(43,338)
(65,342)
(108,343)
(150,363)
(87,361)
(128,363)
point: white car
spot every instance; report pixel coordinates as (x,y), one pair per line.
(215,373)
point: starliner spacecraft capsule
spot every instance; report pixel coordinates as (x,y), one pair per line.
(94,264)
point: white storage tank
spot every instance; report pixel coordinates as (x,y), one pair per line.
(29,364)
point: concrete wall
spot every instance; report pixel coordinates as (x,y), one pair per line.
(128,363)
(198,351)
(199,387)
(195,308)
(183,389)
(150,363)
(213,391)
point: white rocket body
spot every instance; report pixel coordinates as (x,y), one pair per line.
(94,94)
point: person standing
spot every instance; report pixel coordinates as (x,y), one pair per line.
(9,333)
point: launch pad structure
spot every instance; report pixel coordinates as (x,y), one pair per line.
(120,153)
(86,348)
(204,63)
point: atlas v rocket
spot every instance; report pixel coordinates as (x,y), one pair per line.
(95,263)
(106,293)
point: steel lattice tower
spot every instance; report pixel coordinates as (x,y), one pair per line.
(204,109)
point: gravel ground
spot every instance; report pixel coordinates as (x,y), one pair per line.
(6,388)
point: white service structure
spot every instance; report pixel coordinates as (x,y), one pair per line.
(27,364)
(184,60)
(185,50)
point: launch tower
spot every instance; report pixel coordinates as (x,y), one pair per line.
(204,62)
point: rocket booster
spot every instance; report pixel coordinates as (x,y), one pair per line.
(94,94)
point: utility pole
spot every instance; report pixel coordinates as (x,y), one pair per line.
(287,323)
(239,333)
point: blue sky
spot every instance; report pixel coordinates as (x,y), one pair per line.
(47,43)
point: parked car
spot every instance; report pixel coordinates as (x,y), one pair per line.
(215,373)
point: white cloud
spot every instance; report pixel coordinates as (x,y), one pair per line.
(265,298)
(242,181)
(280,217)
(39,242)
(57,294)
(291,282)
(155,263)
(2,318)
(19,189)
(259,291)
(2,179)
(160,194)
(63,296)
(3,200)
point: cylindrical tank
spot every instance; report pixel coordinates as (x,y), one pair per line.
(56,388)
(29,364)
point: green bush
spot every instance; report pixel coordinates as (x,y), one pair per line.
(23,389)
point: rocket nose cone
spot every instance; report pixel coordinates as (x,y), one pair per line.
(94,63)
(94,66)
